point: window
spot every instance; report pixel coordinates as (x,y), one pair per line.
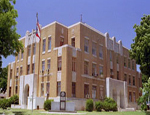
(101,70)
(16,80)
(94,49)
(47,87)
(94,70)
(133,80)
(129,80)
(29,50)
(73,42)
(94,92)
(125,77)
(117,75)
(62,41)
(9,91)
(133,65)
(130,97)
(86,45)
(86,91)
(16,89)
(134,97)
(48,64)
(73,64)
(86,66)
(43,65)
(110,56)
(125,62)
(44,45)
(28,69)
(11,74)
(21,55)
(128,63)
(17,71)
(58,88)
(42,89)
(111,73)
(34,48)
(100,51)
(21,70)
(101,93)
(33,68)
(59,63)
(117,59)
(49,43)
(73,89)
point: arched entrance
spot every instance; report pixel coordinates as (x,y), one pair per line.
(26,95)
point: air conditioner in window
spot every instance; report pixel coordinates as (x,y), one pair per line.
(94,74)
(87,96)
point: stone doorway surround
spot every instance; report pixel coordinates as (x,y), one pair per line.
(25,99)
(117,90)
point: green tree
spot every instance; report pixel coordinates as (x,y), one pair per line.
(140,51)
(3,80)
(9,43)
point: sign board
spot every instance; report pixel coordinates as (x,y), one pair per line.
(62,100)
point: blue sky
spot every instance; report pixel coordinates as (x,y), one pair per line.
(117,17)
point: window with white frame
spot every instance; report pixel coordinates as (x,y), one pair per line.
(48,64)
(94,92)
(21,55)
(101,51)
(94,48)
(86,45)
(101,70)
(17,71)
(49,43)
(59,64)
(86,67)
(94,69)
(34,48)
(43,65)
(44,45)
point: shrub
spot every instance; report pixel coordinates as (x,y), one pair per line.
(109,104)
(3,104)
(47,104)
(14,99)
(98,105)
(89,105)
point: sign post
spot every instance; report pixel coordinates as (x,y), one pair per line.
(62,100)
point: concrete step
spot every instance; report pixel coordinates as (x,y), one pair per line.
(127,109)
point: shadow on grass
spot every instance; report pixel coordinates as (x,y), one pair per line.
(19,113)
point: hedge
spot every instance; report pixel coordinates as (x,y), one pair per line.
(47,104)
(89,105)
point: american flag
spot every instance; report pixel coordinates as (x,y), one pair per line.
(38,30)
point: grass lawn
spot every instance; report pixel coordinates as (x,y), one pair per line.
(38,112)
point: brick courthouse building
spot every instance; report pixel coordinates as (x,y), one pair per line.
(79,60)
